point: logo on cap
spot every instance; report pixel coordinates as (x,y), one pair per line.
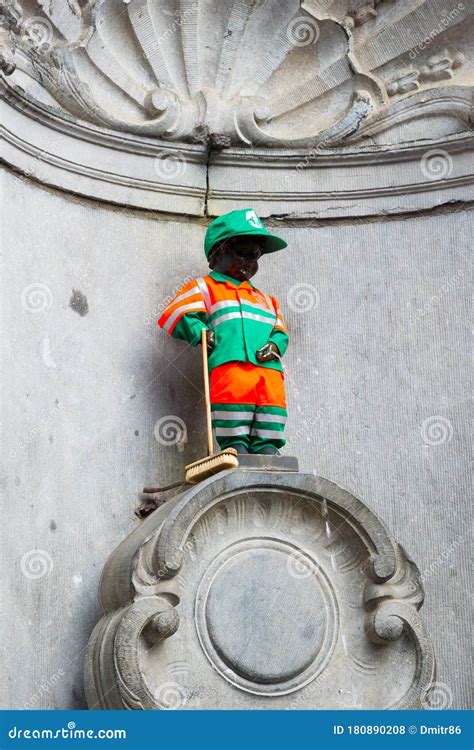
(253,219)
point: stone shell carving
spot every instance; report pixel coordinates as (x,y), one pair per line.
(240,72)
(260,590)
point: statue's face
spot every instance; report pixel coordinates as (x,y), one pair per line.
(238,257)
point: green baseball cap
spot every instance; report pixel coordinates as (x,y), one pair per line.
(236,223)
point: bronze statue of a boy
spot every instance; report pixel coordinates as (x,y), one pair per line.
(246,335)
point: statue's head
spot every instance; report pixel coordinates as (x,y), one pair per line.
(235,241)
(237,257)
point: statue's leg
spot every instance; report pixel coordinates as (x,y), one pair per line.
(232,406)
(270,414)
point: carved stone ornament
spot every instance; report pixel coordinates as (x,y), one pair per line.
(257,72)
(260,589)
(320,109)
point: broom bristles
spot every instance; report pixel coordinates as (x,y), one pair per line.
(206,467)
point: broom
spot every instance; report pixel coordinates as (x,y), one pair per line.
(213,463)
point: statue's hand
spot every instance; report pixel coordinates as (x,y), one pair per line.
(267,352)
(211,340)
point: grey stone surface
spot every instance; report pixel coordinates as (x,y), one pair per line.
(343,182)
(378,388)
(262,462)
(260,590)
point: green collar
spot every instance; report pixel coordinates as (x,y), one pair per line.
(222,277)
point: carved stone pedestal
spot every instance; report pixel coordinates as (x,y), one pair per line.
(260,588)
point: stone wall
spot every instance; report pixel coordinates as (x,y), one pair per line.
(377,384)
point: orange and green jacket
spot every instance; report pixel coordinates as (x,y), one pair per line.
(242,317)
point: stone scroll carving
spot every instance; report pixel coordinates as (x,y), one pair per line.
(269,73)
(260,590)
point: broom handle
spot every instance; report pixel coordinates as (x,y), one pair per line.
(210,446)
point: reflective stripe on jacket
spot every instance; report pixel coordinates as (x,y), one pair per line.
(244,319)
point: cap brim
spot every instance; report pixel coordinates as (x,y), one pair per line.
(272,241)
